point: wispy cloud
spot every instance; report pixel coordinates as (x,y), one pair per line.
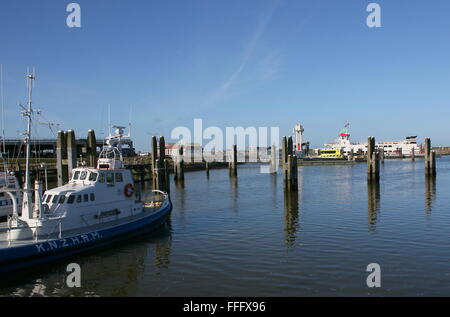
(224,89)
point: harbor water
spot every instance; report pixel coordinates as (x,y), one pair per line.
(245,237)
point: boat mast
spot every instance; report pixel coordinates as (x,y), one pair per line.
(27,208)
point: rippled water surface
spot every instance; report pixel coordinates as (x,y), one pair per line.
(244,237)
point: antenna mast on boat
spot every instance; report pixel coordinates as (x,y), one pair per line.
(3,120)
(27,202)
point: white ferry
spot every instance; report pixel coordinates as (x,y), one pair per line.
(390,148)
(98,206)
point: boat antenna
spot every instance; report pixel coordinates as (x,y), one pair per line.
(129,122)
(27,201)
(3,117)
(109,119)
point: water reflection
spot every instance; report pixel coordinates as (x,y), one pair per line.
(274,188)
(290,217)
(373,202)
(234,193)
(430,193)
(104,274)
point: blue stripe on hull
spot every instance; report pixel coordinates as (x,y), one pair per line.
(20,257)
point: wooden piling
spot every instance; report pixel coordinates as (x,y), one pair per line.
(166,173)
(232,164)
(207,168)
(91,149)
(413,155)
(61,159)
(71,151)
(179,165)
(373,167)
(381,155)
(155,184)
(430,159)
(273,159)
(284,153)
(289,165)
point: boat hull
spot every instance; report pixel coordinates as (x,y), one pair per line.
(15,258)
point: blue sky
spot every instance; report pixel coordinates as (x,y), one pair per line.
(232,63)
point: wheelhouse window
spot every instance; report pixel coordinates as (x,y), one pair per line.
(62,198)
(49,197)
(79,199)
(71,199)
(110,179)
(119,178)
(101,177)
(83,175)
(93,176)
(55,199)
(76,175)
(86,197)
(92,196)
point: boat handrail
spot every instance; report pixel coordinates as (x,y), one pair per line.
(58,225)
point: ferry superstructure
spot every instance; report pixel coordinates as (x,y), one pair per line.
(390,148)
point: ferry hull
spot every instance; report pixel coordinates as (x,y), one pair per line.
(15,258)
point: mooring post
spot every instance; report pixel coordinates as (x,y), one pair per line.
(284,154)
(91,148)
(430,159)
(61,159)
(273,159)
(179,164)
(232,165)
(162,170)
(154,163)
(350,155)
(71,151)
(413,154)
(166,173)
(207,168)
(373,169)
(291,171)
(381,154)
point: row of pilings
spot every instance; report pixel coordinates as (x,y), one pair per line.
(67,160)
(374,157)
(66,154)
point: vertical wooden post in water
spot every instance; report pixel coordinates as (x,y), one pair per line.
(413,154)
(154,163)
(179,165)
(290,168)
(232,165)
(166,172)
(91,149)
(430,159)
(373,167)
(162,170)
(61,159)
(71,151)
(273,159)
(284,155)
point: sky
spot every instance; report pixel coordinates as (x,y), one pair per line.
(261,63)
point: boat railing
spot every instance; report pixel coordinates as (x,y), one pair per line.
(56,228)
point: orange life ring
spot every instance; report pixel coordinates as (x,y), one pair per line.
(129,190)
